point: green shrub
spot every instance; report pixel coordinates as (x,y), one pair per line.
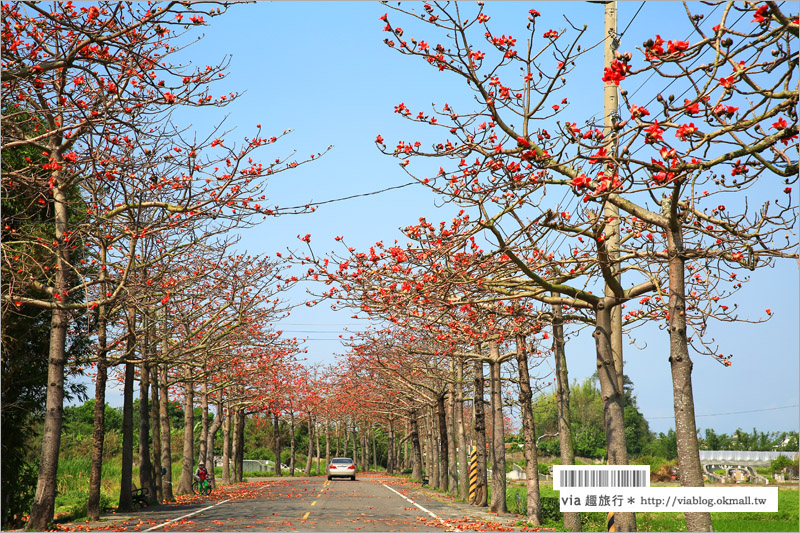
(781,461)
(18,488)
(551,511)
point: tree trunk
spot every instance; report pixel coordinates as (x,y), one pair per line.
(364,449)
(416,471)
(690,471)
(572,521)
(187,465)
(354,435)
(166,435)
(390,451)
(45,497)
(452,460)
(210,437)
(155,409)
(363,442)
(498,503)
(226,448)
(444,451)
(126,477)
(202,451)
(612,396)
(408,461)
(276,443)
(240,419)
(146,480)
(238,452)
(461,439)
(375,448)
(316,433)
(479,416)
(310,455)
(534,511)
(433,451)
(291,444)
(328,443)
(99,431)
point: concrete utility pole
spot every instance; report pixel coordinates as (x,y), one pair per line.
(611,212)
(618,521)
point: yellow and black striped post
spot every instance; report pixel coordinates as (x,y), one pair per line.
(610,522)
(473,473)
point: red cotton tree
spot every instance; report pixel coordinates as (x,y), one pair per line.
(735,113)
(88,91)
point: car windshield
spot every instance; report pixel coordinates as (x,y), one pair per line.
(343,461)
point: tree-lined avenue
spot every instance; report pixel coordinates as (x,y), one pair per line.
(372,503)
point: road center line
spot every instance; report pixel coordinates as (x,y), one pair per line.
(188,515)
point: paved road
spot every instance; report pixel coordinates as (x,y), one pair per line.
(372,503)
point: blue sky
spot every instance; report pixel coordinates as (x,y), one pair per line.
(322,70)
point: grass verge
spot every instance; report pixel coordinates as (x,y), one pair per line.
(786,519)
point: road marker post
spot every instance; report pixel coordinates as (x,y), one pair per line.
(473,473)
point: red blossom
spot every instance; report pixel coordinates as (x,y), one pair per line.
(602,153)
(725,110)
(580,181)
(781,124)
(677,47)
(761,14)
(684,130)
(692,109)
(726,82)
(654,133)
(616,72)
(637,111)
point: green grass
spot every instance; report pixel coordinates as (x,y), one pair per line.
(786,519)
(72,486)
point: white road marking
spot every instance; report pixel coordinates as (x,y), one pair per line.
(159,526)
(187,515)
(412,502)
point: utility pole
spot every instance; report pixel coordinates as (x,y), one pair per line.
(610,211)
(618,521)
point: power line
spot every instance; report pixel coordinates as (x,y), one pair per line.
(320,324)
(631,22)
(732,413)
(314,204)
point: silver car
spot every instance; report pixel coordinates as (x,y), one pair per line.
(342,467)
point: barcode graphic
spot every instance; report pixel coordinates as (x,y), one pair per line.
(601,476)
